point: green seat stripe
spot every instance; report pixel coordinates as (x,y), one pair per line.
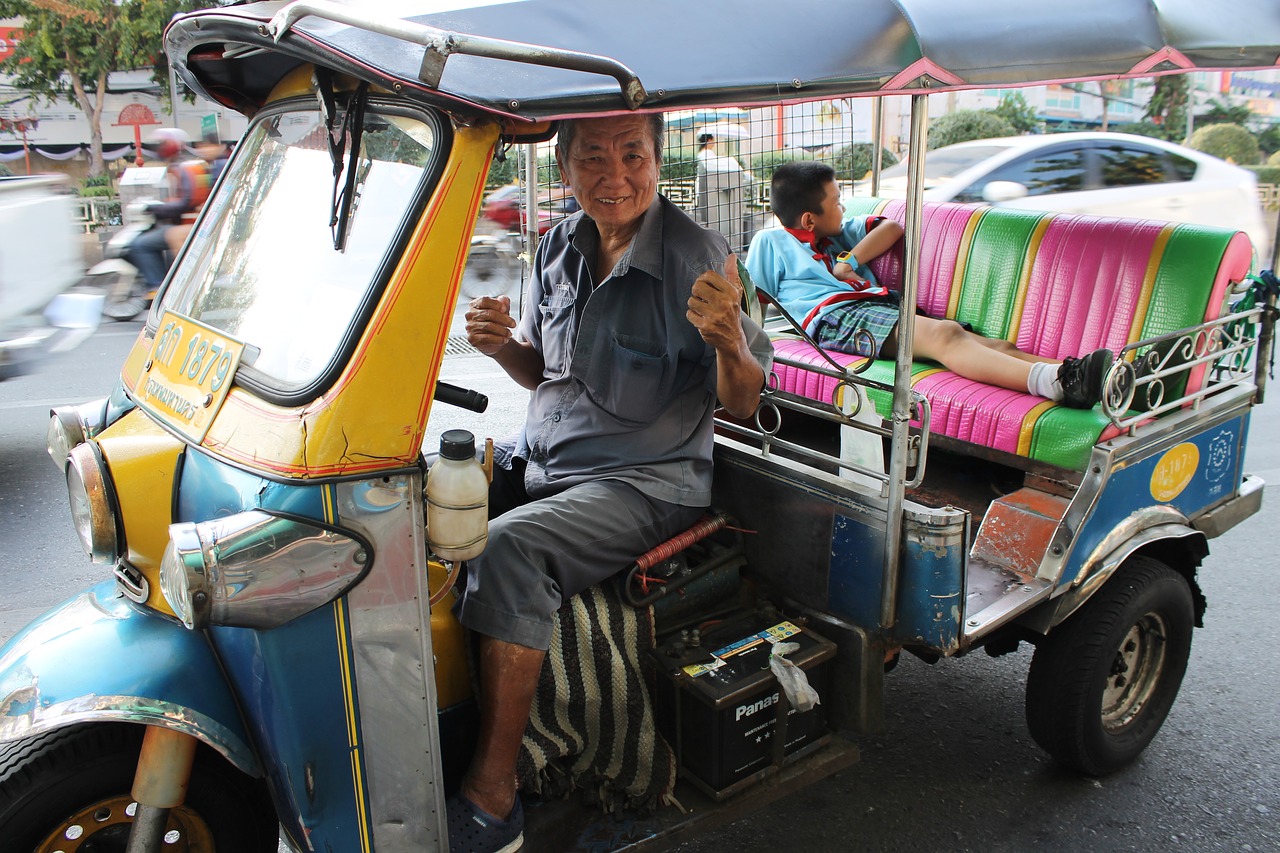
(994,268)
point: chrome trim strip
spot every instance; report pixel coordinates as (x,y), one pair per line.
(1222,518)
(16,725)
(394,665)
(441,44)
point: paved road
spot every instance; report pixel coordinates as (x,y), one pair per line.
(956,770)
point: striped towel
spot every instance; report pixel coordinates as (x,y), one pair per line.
(592,726)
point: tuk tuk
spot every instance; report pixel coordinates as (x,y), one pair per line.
(274,655)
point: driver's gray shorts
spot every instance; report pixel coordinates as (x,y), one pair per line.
(543,552)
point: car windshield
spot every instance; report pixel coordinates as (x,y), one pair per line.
(943,163)
(264,269)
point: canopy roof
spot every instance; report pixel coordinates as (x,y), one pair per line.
(713,52)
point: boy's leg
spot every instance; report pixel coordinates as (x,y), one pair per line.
(1076,382)
(965,353)
(1001,345)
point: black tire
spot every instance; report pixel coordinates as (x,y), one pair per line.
(1102,682)
(71,786)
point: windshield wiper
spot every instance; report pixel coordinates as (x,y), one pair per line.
(352,129)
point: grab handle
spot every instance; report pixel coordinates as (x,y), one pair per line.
(463,398)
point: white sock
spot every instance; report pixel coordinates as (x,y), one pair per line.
(1043,380)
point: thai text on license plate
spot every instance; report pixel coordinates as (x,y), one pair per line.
(188,374)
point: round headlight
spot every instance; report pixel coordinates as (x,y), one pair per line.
(66,430)
(182,576)
(93,504)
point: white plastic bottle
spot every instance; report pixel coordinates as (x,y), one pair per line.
(457,499)
(860,446)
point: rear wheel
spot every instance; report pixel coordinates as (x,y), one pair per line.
(68,791)
(1102,683)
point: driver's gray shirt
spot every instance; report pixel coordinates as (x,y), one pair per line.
(629,384)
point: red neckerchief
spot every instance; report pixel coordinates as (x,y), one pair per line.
(818,245)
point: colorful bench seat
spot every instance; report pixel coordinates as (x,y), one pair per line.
(1056,285)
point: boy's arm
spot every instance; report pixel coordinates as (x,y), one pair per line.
(877,241)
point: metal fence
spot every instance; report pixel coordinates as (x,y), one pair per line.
(1269,195)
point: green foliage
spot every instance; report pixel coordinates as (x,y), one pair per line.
(70,46)
(1229,141)
(1268,174)
(1223,113)
(97,186)
(1167,108)
(1015,110)
(502,172)
(1274,159)
(762,165)
(1269,139)
(548,170)
(678,164)
(853,162)
(1140,128)
(963,125)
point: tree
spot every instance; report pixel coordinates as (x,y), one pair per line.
(963,125)
(1017,112)
(853,162)
(1269,139)
(1167,108)
(1231,142)
(69,47)
(1219,112)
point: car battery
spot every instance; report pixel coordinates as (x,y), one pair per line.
(723,711)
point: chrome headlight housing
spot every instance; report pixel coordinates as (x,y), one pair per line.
(93,503)
(71,426)
(257,570)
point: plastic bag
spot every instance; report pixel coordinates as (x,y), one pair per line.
(794,682)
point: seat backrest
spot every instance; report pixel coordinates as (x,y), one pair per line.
(1061,285)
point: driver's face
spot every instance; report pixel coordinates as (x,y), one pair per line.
(613,169)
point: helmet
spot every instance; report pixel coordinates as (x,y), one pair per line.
(170,142)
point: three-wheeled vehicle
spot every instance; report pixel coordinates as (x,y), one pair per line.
(274,648)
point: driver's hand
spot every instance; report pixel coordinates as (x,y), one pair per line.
(714,305)
(489,323)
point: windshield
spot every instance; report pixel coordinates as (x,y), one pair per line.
(943,163)
(263,268)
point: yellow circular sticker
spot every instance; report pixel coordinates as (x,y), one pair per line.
(1174,471)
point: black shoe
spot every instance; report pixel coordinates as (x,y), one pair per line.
(472,830)
(1081,379)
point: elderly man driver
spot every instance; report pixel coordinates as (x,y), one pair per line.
(632,330)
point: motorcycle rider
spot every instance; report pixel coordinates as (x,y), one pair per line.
(189,183)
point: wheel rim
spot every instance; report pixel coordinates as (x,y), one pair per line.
(1135,672)
(104,826)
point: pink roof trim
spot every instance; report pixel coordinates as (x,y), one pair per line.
(919,68)
(1164,54)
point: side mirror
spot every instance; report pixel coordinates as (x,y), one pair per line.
(998,191)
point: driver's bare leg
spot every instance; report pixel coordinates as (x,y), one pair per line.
(508,681)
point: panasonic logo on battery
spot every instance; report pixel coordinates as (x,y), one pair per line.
(752,708)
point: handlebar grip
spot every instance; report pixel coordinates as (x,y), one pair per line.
(463,398)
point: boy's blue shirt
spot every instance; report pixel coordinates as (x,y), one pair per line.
(785,268)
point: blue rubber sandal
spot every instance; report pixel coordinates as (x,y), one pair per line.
(473,830)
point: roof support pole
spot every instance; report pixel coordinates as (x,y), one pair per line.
(902,375)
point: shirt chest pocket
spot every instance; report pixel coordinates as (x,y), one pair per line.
(630,378)
(557,321)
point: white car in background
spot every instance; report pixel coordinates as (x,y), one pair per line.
(1108,174)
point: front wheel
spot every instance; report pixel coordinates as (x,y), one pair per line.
(68,790)
(1102,682)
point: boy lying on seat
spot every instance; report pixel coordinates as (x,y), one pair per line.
(816,267)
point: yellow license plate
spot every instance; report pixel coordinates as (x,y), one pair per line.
(188,374)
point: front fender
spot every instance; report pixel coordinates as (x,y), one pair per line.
(99,657)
